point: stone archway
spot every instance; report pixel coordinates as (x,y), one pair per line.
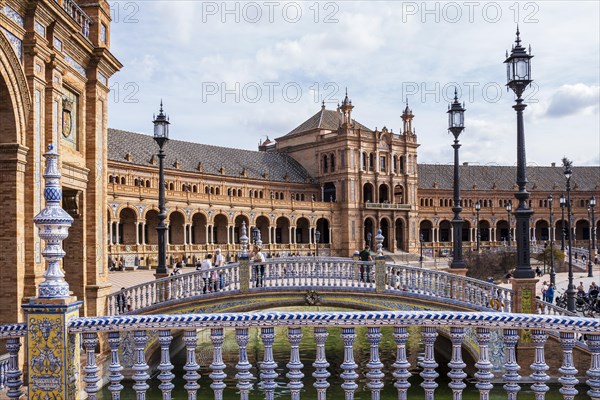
(18,243)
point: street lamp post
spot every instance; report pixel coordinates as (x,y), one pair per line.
(317,240)
(477,209)
(592,245)
(161,136)
(567,164)
(421,257)
(518,68)
(551,237)
(509,234)
(456,124)
(563,201)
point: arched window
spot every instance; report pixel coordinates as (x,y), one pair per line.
(325,164)
(122,180)
(239,192)
(148,183)
(371,161)
(333,163)
(217,191)
(364,161)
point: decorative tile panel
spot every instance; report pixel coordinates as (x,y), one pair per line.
(102,78)
(40,29)
(78,67)
(16,43)
(13,15)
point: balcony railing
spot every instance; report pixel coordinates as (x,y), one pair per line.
(387,206)
(78,15)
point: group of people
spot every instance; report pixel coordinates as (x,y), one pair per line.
(548,291)
(213,278)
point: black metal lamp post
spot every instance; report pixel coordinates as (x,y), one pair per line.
(518,69)
(317,240)
(551,237)
(592,244)
(161,136)
(563,202)
(509,235)
(571,288)
(421,257)
(477,209)
(456,124)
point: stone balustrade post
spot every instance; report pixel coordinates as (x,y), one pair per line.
(53,355)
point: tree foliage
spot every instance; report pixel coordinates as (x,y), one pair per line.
(486,265)
(544,256)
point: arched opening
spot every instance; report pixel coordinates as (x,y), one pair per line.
(368,193)
(176,228)
(220,229)
(369,232)
(384,225)
(325,164)
(302,230)
(262,223)
(151,224)
(237,229)
(127,226)
(484,230)
(399,234)
(323,228)
(562,230)
(426,231)
(199,223)
(502,231)
(398,194)
(384,193)
(282,230)
(445,231)
(541,230)
(466,231)
(329,192)
(582,230)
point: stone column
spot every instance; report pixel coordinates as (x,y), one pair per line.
(137,233)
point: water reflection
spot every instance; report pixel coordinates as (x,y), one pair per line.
(334,351)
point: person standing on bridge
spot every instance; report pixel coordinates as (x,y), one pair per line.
(365,270)
(205,268)
(259,269)
(219,262)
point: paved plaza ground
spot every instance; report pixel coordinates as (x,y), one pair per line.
(120,279)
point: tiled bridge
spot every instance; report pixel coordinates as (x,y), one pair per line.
(316,281)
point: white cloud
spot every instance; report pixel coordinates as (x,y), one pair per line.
(374,49)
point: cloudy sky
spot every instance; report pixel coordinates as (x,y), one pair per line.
(232,73)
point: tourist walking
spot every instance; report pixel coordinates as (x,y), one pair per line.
(219,262)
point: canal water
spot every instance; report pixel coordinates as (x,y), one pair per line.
(334,351)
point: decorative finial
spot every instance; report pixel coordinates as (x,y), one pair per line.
(53,225)
(518,40)
(161,106)
(244,240)
(455,94)
(323,105)
(379,240)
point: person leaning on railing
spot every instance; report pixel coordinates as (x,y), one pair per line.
(259,269)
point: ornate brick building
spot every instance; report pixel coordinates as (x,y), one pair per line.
(330,174)
(55,64)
